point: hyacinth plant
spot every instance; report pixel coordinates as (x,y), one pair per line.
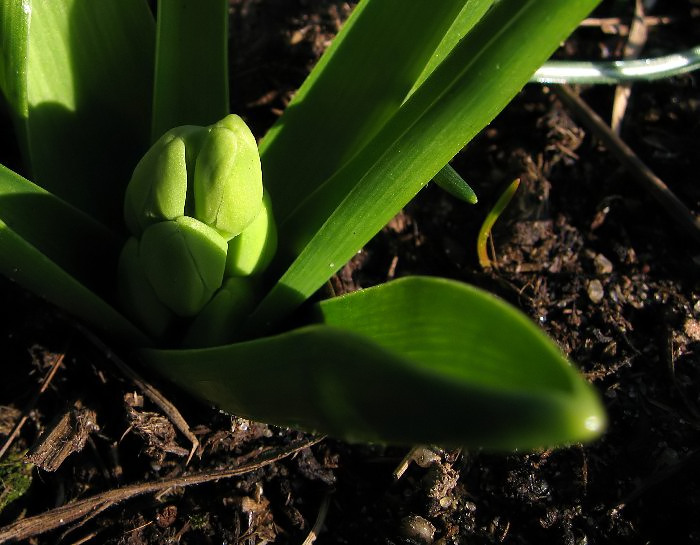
(155,219)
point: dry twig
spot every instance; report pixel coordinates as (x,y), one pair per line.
(633,48)
(615,25)
(58,360)
(640,172)
(320,519)
(67,434)
(149,391)
(89,507)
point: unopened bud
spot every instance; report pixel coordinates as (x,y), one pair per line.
(140,300)
(184,262)
(251,252)
(220,320)
(195,207)
(228,187)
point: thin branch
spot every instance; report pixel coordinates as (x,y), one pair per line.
(320,519)
(620,26)
(60,516)
(633,48)
(640,172)
(149,390)
(58,360)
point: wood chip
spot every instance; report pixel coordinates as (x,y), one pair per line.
(67,434)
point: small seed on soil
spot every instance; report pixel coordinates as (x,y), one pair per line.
(417,530)
(595,291)
(445,502)
(602,264)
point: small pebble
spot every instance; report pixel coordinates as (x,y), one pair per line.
(595,291)
(602,264)
(692,329)
(668,457)
(417,530)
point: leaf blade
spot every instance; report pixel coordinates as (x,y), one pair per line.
(384,381)
(191,76)
(88,84)
(69,237)
(30,268)
(61,254)
(14,28)
(483,72)
(359,83)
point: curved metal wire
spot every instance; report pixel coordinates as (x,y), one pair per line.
(615,72)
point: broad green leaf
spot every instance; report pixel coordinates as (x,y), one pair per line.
(356,87)
(67,236)
(465,92)
(46,244)
(414,361)
(88,84)
(191,78)
(30,268)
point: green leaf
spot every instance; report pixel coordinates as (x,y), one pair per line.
(466,91)
(465,21)
(73,240)
(418,360)
(88,84)
(46,245)
(450,180)
(14,27)
(359,83)
(191,81)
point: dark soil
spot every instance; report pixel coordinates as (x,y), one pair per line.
(583,250)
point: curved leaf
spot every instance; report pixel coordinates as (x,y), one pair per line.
(414,361)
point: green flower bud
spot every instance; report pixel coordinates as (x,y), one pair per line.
(184,262)
(228,187)
(158,188)
(211,173)
(193,191)
(221,319)
(140,301)
(251,252)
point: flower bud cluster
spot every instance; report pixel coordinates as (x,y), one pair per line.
(202,229)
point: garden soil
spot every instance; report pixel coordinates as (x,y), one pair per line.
(583,249)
